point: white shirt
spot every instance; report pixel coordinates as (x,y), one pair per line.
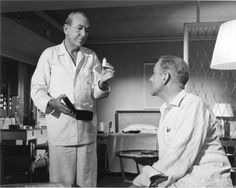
(56,74)
(190,153)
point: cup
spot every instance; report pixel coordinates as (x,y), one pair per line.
(101,127)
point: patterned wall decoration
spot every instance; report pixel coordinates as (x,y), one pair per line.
(214,86)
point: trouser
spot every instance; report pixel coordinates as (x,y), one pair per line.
(73,164)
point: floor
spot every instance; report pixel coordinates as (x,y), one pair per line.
(41,177)
(104,180)
(114,180)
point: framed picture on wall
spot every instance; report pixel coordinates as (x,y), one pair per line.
(149,101)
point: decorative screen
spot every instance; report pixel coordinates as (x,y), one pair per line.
(215,86)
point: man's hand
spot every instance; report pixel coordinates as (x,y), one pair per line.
(56,104)
(142,180)
(107,73)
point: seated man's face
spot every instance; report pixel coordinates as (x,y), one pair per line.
(156,80)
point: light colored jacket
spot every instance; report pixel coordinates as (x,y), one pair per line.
(56,74)
(190,152)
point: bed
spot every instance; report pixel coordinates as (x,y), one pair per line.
(134,130)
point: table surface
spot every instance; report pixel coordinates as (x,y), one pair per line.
(23,134)
(142,157)
(126,141)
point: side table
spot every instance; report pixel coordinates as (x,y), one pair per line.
(142,157)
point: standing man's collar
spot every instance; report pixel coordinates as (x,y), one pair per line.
(62,49)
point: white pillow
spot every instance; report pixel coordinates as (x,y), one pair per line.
(139,127)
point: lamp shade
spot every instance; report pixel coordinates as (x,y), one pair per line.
(223,110)
(224,54)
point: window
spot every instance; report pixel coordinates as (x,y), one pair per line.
(15,79)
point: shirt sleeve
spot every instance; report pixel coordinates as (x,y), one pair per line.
(97,92)
(186,143)
(40,82)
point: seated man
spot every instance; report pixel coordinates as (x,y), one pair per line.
(190,152)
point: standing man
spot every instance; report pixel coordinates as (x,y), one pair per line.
(71,70)
(190,152)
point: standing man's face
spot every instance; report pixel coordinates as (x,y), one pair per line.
(156,80)
(77,32)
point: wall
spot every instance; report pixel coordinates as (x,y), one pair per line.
(127,85)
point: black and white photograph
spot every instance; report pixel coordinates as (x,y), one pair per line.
(118,93)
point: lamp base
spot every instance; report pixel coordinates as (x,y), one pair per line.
(226,129)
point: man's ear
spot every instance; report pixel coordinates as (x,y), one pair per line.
(166,78)
(65,27)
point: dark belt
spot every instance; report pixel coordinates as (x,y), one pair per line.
(84,115)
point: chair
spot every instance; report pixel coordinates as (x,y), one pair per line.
(230,151)
(42,159)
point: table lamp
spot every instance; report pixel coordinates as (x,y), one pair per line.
(224,111)
(224,56)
